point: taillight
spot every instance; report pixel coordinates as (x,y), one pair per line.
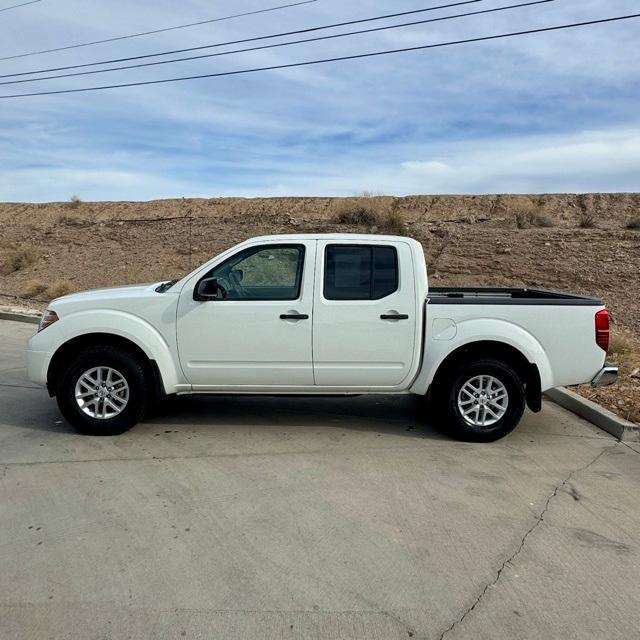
(602,329)
(48,318)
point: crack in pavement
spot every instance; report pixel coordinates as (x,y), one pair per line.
(539,520)
(630,447)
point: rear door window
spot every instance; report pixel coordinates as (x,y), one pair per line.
(360,272)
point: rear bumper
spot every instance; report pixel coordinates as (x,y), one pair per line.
(606,376)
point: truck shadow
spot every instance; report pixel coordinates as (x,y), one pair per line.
(404,415)
(401,415)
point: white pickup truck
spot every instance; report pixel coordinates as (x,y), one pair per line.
(323,315)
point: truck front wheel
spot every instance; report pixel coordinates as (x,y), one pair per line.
(481,401)
(103,391)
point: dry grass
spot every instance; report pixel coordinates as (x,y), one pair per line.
(36,289)
(357,214)
(18,258)
(587,220)
(376,214)
(393,223)
(69,220)
(528,219)
(622,346)
(59,288)
(33,289)
(527,214)
(634,223)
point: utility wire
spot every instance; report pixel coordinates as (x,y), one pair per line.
(154,31)
(15,6)
(279,44)
(326,60)
(245,40)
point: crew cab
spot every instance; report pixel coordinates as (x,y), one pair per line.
(322,315)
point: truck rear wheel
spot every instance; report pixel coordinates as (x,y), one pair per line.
(103,391)
(481,401)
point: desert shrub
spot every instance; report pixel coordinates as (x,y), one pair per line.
(68,220)
(18,258)
(634,223)
(74,202)
(59,288)
(392,222)
(540,220)
(358,215)
(620,344)
(33,288)
(374,213)
(526,218)
(587,220)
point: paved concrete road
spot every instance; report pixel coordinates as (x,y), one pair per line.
(293,518)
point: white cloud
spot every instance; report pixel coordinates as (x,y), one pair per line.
(584,162)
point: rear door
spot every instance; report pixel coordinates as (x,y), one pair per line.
(365,314)
(258,334)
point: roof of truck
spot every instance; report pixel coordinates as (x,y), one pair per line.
(330,236)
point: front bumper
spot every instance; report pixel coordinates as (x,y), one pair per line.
(606,376)
(38,366)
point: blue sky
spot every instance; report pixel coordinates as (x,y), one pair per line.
(552,112)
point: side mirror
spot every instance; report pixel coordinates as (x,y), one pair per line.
(207,290)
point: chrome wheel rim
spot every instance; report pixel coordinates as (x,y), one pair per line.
(483,401)
(102,393)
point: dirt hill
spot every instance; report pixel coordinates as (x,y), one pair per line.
(583,243)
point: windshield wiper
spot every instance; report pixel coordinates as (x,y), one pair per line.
(165,286)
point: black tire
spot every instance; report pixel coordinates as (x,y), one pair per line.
(130,369)
(446,394)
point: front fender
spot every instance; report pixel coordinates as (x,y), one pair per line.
(118,323)
(481,330)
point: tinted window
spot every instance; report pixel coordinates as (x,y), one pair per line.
(361,272)
(262,273)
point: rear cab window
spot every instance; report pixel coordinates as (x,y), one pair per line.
(360,272)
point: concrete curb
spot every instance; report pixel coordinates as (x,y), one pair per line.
(594,413)
(19,317)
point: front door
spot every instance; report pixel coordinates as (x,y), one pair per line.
(257,333)
(365,315)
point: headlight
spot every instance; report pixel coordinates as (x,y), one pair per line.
(48,317)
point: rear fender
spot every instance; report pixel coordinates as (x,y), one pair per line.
(482,330)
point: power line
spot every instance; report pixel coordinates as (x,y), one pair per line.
(245,40)
(279,44)
(326,60)
(154,31)
(15,6)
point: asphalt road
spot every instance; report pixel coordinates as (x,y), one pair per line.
(323,519)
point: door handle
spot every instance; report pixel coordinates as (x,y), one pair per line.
(394,316)
(294,316)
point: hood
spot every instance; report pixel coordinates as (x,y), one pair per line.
(110,294)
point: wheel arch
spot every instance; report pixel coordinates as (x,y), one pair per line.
(66,351)
(496,350)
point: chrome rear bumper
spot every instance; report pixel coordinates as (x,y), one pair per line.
(606,376)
